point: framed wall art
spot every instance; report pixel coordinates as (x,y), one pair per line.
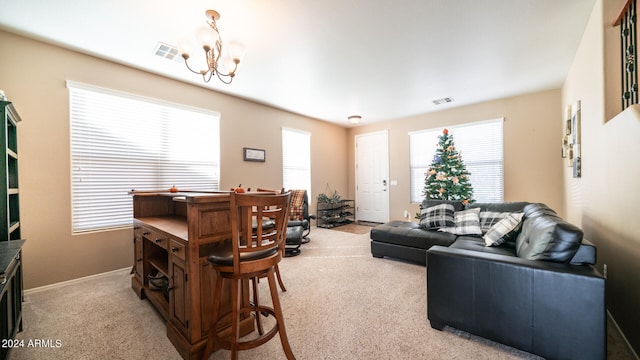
(567,140)
(576,140)
(250,154)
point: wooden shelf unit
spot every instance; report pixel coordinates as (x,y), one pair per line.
(174,234)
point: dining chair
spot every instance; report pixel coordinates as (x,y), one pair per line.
(252,252)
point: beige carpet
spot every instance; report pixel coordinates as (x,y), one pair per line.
(341,303)
(354,228)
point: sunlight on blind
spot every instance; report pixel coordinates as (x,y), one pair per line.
(481,147)
(121,142)
(296,160)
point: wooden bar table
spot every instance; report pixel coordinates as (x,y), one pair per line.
(173,234)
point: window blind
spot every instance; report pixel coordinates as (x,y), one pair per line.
(296,160)
(121,142)
(481,147)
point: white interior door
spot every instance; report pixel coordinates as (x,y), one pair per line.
(372,177)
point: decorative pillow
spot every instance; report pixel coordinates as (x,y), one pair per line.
(467,222)
(503,230)
(490,218)
(438,216)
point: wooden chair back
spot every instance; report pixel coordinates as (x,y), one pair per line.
(253,243)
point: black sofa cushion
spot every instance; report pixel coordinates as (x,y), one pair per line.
(546,236)
(410,234)
(477,244)
(499,207)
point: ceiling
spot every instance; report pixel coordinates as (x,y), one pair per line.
(381,59)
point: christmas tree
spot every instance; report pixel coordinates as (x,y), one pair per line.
(447,177)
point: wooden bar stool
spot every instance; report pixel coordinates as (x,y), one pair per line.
(250,254)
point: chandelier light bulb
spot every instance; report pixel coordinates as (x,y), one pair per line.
(210,41)
(206,38)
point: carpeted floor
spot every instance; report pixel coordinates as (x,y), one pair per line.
(354,228)
(341,303)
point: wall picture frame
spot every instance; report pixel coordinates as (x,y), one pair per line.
(576,137)
(251,154)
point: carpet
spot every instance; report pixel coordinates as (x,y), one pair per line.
(340,303)
(354,228)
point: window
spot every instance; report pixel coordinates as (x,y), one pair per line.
(296,160)
(480,144)
(121,142)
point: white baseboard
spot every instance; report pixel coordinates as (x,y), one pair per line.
(74,281)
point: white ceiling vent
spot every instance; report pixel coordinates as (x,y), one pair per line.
(168,52)
(443,101)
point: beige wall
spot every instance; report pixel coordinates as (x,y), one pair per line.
(604,200)
(33,75)
(532,165)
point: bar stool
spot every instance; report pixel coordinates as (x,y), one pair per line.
(251,253)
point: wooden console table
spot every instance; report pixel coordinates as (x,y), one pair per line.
(173,235)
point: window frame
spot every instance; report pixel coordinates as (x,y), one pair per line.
(107,162)
(421,166)
(302,184)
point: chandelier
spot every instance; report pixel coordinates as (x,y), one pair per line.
(211,43)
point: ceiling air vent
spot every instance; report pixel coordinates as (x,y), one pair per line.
(168,52)
(442,101)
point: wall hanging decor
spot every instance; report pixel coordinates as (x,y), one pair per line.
(575,135)
(250,154)
(567,142)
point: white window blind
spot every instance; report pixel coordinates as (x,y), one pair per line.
(296,160)
(121,142)
(481,148)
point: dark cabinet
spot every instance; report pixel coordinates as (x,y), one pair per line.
(10,243)
(10,292)
(10,198)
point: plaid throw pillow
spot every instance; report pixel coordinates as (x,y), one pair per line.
(505,229)
(438,216)
(296,205)
(490,218)
(467,222)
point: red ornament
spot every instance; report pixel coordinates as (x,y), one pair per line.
(445,131)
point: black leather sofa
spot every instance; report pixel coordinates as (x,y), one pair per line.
(407,240)
(539,291)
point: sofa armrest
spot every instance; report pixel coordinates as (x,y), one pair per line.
(550,309)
